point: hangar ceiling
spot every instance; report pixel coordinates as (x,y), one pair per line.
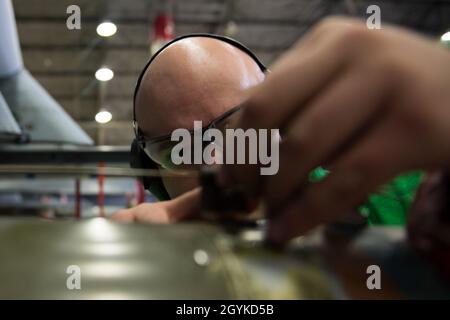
(65,61)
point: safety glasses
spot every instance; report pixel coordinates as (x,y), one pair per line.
(159,149)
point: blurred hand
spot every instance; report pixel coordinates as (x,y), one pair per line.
(368,104)
(183,207)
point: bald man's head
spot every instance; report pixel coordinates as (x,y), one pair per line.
(193,79)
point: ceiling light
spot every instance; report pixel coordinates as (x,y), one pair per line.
(106,29)
(446,36)
(104,74)
(103,116)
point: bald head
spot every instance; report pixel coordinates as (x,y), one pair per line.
(196,78)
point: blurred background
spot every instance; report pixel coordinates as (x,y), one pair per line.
(65,61)
(66,95)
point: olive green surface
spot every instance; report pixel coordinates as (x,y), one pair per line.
(202,261)
(116,261)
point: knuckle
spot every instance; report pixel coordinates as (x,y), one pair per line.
(353,35)
(325,26)
(331,22)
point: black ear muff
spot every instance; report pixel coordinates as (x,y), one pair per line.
(139,160)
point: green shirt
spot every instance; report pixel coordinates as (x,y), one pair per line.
(391,204)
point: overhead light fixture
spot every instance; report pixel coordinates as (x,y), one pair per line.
(446,37)
(106,29)
(104,74)
(103,116)
(231,29)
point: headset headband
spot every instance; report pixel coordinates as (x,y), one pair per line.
(228,40)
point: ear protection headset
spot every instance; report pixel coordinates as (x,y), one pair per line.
(138,157)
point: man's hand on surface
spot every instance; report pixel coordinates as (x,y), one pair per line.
(183,207)
(367,104)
